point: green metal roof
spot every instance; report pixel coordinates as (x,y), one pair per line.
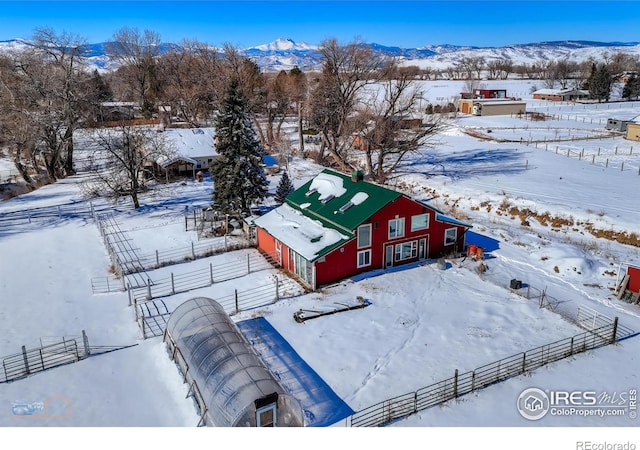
(339,202)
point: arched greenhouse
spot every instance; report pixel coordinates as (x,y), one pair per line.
(230,384)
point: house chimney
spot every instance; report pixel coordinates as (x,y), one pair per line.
(356,176)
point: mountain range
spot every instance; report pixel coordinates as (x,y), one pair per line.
(284,54)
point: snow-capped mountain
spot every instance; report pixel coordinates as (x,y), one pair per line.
(283,45)
(284,54)
(446,56)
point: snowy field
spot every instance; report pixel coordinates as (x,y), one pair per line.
(423,322)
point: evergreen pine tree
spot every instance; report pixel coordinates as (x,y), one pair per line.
(631,87)
(238,176)
(285,187)
(600,83)
(590,81)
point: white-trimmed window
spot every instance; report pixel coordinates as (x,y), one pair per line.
(364,258)
(420,222)
(364,236)
(406,250)
(396,228)
(450,236)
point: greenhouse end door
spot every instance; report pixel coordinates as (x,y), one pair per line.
(266,411)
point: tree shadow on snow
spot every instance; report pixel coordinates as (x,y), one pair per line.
(467,163)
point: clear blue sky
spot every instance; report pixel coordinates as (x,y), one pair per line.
(399,23)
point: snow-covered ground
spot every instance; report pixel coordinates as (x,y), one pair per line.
(423,322)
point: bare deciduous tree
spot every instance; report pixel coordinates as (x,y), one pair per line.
(121,157)
(347,69)
(392,128)
(137,53)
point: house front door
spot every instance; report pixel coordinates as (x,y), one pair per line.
(388,260)
(422,249)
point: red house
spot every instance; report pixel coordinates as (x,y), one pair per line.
(335,226)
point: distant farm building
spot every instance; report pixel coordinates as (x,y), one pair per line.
(617,124)
(193,150)
(484,93)
(336,226)
(561,95)
(117,111)
(633,130)
(491,107)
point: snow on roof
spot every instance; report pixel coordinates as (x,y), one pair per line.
(559,91)
(327,185)
(192,142)
(189,144)
(306,236)
(359,197)
(508,102)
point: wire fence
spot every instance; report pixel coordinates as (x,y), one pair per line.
(614,159)
(402,406)
(195,279)
(585,317)
(130,267)
(162,258)
(152,315)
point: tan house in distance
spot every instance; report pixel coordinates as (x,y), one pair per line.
(491,106)
(633,131)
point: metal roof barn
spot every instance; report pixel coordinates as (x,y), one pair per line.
(229,382)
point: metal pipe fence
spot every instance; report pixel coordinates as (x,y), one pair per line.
(152,316)
(399,407)
(63,350)
(203,277)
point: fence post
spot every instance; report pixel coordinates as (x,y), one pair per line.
(615,330)
(571,345)
(211,273)
(26,361)
(607,163)
(622,167)
(455,384)
(173,288)
(157,259)
(148,289)
(85,343)
(129,292)
(193,252)
(524,361)
(236,297)
(277,290)
(473,381)
(108,288)
(41,358)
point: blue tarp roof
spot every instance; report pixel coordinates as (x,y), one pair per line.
(269,160)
